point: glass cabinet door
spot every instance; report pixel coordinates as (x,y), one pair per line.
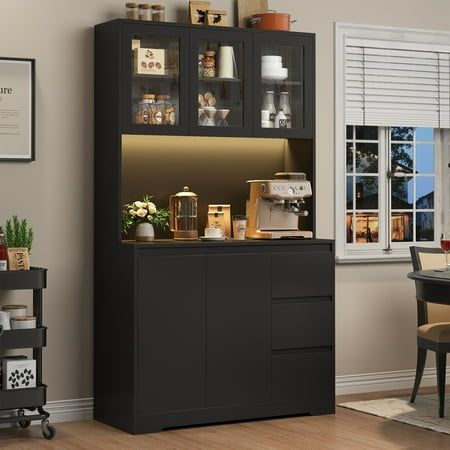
(220,75)
(284,66)
(155,100)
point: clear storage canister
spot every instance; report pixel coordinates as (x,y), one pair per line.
(170,114)
(160,109)
(132,11)
(145,11)
(159,13)
(146,109)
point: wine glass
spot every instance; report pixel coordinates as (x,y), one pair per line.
(445,245)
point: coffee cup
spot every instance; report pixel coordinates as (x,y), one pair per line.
(213,232)
(239,227)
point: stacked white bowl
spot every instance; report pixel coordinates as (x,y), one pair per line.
(272,68)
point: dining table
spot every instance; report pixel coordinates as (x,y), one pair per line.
(432,285)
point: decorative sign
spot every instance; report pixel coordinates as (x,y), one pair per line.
(17,80)
(18,258)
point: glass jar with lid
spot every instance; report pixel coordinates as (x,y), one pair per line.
(145,110)
(170,112)
(132,11)
(209,64)
(158,13)
(145,11)
(160,113)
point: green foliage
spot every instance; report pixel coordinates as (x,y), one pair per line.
(143,211)
(18,233)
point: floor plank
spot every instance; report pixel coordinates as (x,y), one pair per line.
(344,430)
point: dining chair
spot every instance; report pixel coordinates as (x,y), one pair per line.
(433,324)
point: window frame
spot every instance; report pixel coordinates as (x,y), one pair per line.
(427,40)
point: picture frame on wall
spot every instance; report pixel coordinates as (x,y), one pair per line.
(17,109)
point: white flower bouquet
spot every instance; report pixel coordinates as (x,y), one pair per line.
(143,211)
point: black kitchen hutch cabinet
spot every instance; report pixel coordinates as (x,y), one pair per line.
(204,332)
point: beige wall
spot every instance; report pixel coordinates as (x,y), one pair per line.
(374,303)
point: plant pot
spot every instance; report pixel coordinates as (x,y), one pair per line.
(144,232)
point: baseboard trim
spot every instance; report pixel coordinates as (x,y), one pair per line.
(83,408)
(383,381)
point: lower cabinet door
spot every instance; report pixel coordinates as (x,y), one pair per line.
(302,377)
(171,333)
(238,329)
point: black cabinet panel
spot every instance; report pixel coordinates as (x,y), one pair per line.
(302,377)
(297,325)
(305,274)
(238,329)
(170,333)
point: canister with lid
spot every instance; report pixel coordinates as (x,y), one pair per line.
(158,13)
(132,11)
(160,113)
(145,11)
(23,323)
(209,64)
(146,109)
(15,310)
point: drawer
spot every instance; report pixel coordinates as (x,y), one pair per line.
(303,324)
(303,377)
(302,274)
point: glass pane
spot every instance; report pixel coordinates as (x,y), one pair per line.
(282,86)
(425,158)
(402,134)
(349,157)
(155,80)
(402,193)
(350,193)
(367,133)
(366,192)
(366,228)
(424,226)
(366,158)
(349,228)
(402,158)
(425,134)
(402,227)
(349,132)
(424,192)
(220,87)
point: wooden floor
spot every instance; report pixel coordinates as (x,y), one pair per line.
(349,430)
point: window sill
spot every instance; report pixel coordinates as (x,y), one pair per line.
(358,259)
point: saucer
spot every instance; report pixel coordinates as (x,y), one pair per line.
(204,238)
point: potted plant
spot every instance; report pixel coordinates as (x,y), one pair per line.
(144,214)
(18,240)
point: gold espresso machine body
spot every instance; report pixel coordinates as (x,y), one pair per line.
(276,205)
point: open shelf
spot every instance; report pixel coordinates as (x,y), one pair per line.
(31,338)
(154,77)
(219,80)
(23,398)
(35,278)
(282,82)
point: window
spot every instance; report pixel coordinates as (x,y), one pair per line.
(392,121)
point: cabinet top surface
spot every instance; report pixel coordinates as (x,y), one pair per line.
(200,27)
(171,243)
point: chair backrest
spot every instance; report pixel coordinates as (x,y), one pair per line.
(426,258)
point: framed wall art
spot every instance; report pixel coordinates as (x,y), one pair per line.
(17,109)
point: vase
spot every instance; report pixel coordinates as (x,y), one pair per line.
(144,232)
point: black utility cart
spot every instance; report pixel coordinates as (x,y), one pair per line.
(31,399)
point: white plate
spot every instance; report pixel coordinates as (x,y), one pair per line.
(274,77)
(204,238)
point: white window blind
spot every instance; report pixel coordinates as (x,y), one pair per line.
(388,86)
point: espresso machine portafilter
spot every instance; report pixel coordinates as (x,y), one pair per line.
(276,205)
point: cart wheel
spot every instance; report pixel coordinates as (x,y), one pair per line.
(47,430)
(25,424)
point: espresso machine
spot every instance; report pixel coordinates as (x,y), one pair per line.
(276,205)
